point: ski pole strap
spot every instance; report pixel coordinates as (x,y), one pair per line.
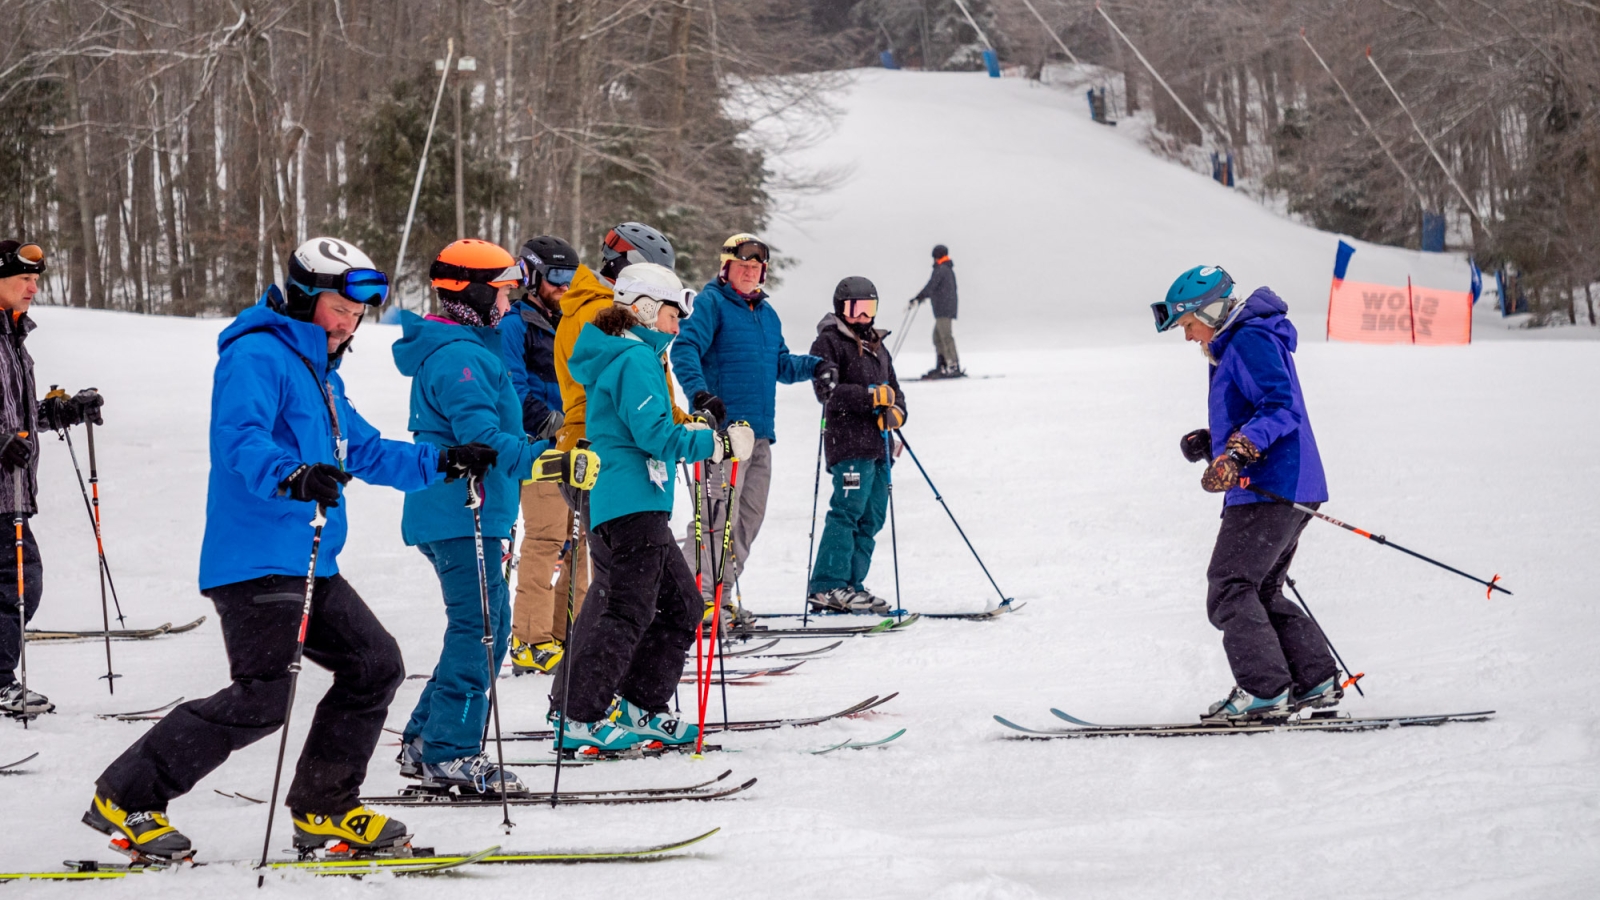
(1492,584)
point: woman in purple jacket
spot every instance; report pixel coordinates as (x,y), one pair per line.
(1259,435)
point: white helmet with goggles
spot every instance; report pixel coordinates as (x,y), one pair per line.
(644,287)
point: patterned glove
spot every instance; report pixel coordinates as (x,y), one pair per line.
(1242,449)
(1222,475)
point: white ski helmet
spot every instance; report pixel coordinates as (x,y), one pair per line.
(329,264)
(643,287)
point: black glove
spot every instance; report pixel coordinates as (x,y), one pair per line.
(89,402)
(711,403)
(550,424)
(57,410)
(467,460)
(315,481)
(1196,445)
(825,376)
(16,452)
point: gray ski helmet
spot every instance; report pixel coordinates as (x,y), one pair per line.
(940,251)
(634,242)
(853,287)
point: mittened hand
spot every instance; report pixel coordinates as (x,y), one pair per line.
(317,482)
(467,460)
(578,467)
(891,419)
(552,422)
(1196,445)
(825,376)
(16,452)
(741,440)
(1222,475)
(88,401)
(1242,449)
(57,410)
(711,403)
(881,395)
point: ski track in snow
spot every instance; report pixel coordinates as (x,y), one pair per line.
(1066,475)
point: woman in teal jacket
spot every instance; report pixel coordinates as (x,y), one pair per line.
(629,646)
(460,386)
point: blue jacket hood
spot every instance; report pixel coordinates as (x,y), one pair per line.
(304,338)
(420,338)
(1262,309)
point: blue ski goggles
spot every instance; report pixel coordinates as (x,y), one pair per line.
(368,286)
(533,270)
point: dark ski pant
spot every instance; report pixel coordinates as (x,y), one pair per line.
(635,632)
(260,618)
(599,578)
(856,513)
(1272,645)
(454,706)
(32,589)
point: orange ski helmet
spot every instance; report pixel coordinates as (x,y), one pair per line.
(468,274)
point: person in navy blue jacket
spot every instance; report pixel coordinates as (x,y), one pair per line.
(1259,435)
(284,441)
(729,358)
(527,343)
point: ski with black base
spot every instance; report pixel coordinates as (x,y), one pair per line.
(744,674)
(1316,721)
(138,714)
(823,631)
(565,798)
(10,768)
(91,870)
(749,651)
(870,703)
(125,634)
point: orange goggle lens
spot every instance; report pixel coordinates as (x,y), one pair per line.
(861,308)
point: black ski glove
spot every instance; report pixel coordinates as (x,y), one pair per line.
(550,424)
(1196,445)
(315,481)
(16,452)
(825,376)
(89,402)
(705,401)
(473,460)
(57,410)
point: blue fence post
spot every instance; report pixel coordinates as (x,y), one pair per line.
(992,63)
(887,58)
(1432,232)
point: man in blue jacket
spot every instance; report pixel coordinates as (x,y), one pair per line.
(527,342)
(729,359)
(284,440)
(1259,435)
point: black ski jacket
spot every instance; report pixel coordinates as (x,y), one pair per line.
(852,424)
(941,289)
(19,410)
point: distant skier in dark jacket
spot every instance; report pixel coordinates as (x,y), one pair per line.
(862,406)
(284,441)
(22,417)
(1258,434)
(941,289)
(527,341)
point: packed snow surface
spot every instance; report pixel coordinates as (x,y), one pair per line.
(1064,470)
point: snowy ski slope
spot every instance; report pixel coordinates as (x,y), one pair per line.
(1066,474)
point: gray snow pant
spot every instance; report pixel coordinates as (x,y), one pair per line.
(944,343)
(1272,645)
(750,501)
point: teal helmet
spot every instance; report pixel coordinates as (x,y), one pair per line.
(1195,290)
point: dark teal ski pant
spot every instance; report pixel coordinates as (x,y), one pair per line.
(454,706)
(856,512)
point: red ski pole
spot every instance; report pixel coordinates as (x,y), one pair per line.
(703,685)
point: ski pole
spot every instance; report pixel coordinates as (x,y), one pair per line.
(894,541)
(568,657)
(1004,600)
(94,486)
(1355,677)
(703,687)
(699,578)
(811,542)
(905,326)
(317,521)
(1277,498)
(22,594)
(475,503)
(105,615)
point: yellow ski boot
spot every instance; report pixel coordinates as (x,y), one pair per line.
(359,830)
(141,835)
(527,658)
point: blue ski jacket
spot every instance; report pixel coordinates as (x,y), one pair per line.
(528,344)
(461,393)
(630,421)
(734,348)
(276,402)
(1256,391)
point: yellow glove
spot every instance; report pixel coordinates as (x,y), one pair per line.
(881,395)
(891,419)
(579,467)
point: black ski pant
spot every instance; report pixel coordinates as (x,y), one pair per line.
(635,642)
(260,619)
(1271,644)
(11,627)
(599,578)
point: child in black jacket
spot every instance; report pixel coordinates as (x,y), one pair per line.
(862,405)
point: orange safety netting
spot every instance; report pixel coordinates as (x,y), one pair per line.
(1381,314)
